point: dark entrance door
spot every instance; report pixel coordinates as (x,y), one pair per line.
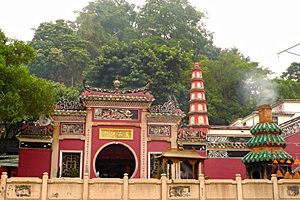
(114,161)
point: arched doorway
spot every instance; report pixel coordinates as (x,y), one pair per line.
(114,161)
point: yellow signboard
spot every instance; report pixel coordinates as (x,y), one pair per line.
(120,134)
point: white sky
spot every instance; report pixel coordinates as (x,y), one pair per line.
(258,28)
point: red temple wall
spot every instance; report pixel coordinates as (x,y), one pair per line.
(224,168)
(34,162)
(293,147)
(99,143)
(158,146)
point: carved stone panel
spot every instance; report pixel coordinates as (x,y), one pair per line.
(187,133)
(179,191)
(159,130)
(116,114)
(217,154)
(67,128)
(290,130)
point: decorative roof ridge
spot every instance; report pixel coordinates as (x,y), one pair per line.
(117,90)
(116,97)
(75,112)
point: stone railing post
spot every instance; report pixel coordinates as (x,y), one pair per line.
(125,187)
(3,186)
(239,189)
(85,189)
(44,186)
(275,187)
(164,191)
(202,195)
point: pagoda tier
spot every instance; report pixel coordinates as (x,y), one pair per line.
(267,155)
(198,111)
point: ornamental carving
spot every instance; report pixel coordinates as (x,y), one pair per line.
(159,130)
(69,105)
(226,139)
(217,154)
(290,130)
(36,130)
(72,128)
(179,191)
(188,133)
(167,107)
(116,114)
(117,90)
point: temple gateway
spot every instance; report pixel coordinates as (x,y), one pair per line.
(111,132)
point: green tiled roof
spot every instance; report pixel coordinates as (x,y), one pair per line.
(266,156)
(266,139)
(265,127)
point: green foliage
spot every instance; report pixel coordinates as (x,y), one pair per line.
(177,22)
(104,22)
(61,55)
(62,92)
(226,94)
(158,42)
(292,73)
(137,62)
(22,96)
(288,89)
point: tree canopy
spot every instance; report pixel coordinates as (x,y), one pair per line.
(61,55)
(22,96)
(140,61)
(158,41)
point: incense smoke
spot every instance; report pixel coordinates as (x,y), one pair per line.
(258,88)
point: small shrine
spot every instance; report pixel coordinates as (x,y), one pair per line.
(187,163)
(267,156)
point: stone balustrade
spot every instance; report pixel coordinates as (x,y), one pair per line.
(147,189)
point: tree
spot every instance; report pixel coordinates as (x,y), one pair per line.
(292,73)
(229,89)
(104,22)
(287,89)
(177,22)
(136,63)
(61,55)
(62,92)
(22,96)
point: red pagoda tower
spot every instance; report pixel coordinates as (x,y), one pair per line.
(198,118)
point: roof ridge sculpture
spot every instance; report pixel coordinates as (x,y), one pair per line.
(117,90)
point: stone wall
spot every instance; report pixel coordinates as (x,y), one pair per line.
(146,189)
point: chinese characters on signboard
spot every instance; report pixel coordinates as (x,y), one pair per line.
(121,134)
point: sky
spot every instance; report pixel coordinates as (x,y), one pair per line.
(259,29)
